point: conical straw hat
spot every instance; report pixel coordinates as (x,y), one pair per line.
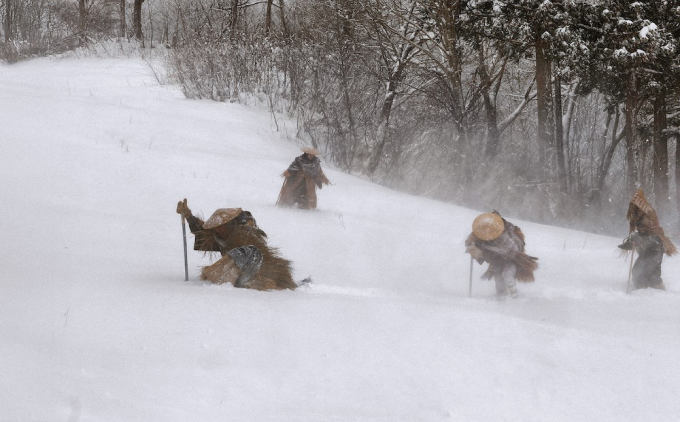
(488,226)
(641,213)
(640,201)
(221,216)
(310,150)
(640,204)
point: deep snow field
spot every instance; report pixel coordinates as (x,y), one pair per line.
(97,323)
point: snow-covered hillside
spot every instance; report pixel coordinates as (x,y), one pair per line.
(97,323)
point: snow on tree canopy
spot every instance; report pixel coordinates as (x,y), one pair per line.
(645,30)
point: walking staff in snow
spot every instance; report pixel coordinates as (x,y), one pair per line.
(470,285)
(646,238)
(302,178)
(247,261)
(630,270)
(501,244)
(186,260)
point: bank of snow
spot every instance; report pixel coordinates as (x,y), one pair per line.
(98,324)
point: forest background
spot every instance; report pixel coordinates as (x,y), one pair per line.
(555,111)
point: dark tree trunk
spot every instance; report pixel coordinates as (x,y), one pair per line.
(82,22)
(345,82)
(137,20)
(383,125)
(123,23)
(386,109)
(606,160)
(455,66)
(677,172)
(234,17)
(284,28)
(559,137)
(543,102)
(268,17)
(493,133)
(660,152)
(631,131)
(8,20)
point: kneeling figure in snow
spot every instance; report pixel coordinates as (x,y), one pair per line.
(247,261)
(501,244)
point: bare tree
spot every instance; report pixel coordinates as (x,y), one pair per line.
(282,14)
(82,22)
(8,21)
(490,81)
(398,40)
(630,112)
(660,160)
(677,173)
(137,20)
(559,135)
(234,17)
(123,22)
(544,99)
(606,159)
(268,17)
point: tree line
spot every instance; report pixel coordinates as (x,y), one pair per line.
(555,111)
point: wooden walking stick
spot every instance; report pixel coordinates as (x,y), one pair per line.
(278,200)
(630,271)
(470,288)
(186,261)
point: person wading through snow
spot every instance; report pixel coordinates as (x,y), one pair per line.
(501,244)
(247,261)
(649,241)
(302,178)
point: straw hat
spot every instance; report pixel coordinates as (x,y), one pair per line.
(488,226)
(310,150)
(640,201)
(221,216)
(642,217)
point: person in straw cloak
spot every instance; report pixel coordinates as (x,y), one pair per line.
(302,178)
(501,244)
(247,261)
(649,241)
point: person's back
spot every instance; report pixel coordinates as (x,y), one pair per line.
(647,268)
(302,178)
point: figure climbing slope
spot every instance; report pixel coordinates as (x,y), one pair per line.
(501,244)
(303,176)
(649,241)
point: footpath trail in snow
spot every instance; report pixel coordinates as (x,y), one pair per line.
(97,323)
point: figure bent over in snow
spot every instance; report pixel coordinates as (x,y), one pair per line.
(501,244)
(302,178)
(247,261)
(649,241)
